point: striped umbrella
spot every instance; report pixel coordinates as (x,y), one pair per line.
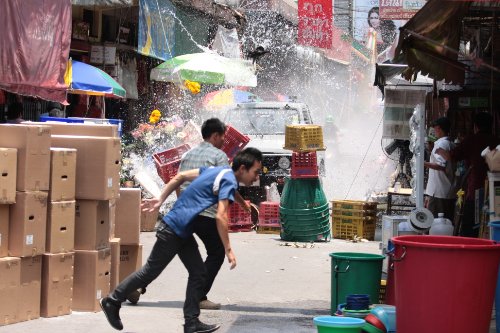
(85,79)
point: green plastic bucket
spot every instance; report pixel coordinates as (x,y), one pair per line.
(355,273)
(328,324)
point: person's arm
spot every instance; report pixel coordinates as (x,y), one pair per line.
(434,165)
(239,199)
(222,222)
(174,183)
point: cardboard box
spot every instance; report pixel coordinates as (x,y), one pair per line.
(91,225)
(87,129)
(60,227)
(130,259)
(57,284)
(115,263)
(91,281)
(112,218)
(10,273)
(62,174)
(128,215)
(28,224)
(31,279)
(8,175)
(148,220)
(33,154)
(4,231)
(97,165)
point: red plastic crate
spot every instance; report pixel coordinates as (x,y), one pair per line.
(269,214)
(238,216)
(167,162)
(234,141)
(304,165)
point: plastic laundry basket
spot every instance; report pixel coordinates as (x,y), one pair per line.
(444,283)
(355,273)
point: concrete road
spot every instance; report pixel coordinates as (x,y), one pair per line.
(276,287)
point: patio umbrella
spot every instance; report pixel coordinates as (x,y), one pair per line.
(219,99)
(85,79)
(207,68)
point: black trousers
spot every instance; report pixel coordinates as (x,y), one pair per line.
(206,229)
(167,245)
(469,228)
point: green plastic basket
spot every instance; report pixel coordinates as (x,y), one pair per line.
(302,193)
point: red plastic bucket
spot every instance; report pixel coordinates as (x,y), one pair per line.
(444,283)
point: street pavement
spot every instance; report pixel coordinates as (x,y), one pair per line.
(276,287)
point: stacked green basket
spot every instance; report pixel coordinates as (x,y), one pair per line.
(304,210)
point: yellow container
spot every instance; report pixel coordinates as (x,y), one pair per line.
(348,227)
(268,230)
(353,204)
(353,212)
(304,138)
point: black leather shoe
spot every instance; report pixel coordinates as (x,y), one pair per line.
(111,309)
(196,326)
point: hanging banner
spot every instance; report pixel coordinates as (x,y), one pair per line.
(156,29)
(315,23)
(399,9)
(341,49)
(34,47)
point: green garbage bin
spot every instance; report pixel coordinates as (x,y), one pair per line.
(355,273)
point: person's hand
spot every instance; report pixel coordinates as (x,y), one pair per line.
(231,258)
(247,207)
(150,205)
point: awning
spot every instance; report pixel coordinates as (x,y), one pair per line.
(429,41)
(102,2)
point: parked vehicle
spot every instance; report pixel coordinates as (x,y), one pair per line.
(265,123)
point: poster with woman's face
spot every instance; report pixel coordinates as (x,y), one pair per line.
(369,30)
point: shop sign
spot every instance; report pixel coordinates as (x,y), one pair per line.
(399,9)
(473,102)
(315,23)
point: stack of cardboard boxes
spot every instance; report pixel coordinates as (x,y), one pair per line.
(59,187)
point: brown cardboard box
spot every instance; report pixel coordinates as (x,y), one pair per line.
(130,259)
(148,220)
(61,227)
(4,231)
(57,284)
(115,263)
(8,175)
(112,218)
(62,174)
(31,277)
(91,225)
(128,215)
(97,165)
(10,279)
(33,154)
(91,283)
(28,224)
(60,128)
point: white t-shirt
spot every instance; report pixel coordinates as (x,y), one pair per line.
(440,181)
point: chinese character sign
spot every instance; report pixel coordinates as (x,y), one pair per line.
(315,23)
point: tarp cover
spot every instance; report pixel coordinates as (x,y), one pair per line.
(34,47)
(102,2)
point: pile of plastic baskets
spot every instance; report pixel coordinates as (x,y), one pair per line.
(167,162)
(352,219)
(269,218)
(239,219)
(304,211)
(234,141)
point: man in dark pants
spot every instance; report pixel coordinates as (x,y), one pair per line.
(206,154)
(175,235)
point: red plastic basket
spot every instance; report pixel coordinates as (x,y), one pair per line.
(304,165)
(167,162)
(234,141)
(238,216)
(269,214)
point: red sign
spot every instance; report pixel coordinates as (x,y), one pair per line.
(34,47)
(399,9)
(315,23)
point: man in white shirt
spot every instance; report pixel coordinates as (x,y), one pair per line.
(439,191)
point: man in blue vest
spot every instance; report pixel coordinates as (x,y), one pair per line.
(210,185)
